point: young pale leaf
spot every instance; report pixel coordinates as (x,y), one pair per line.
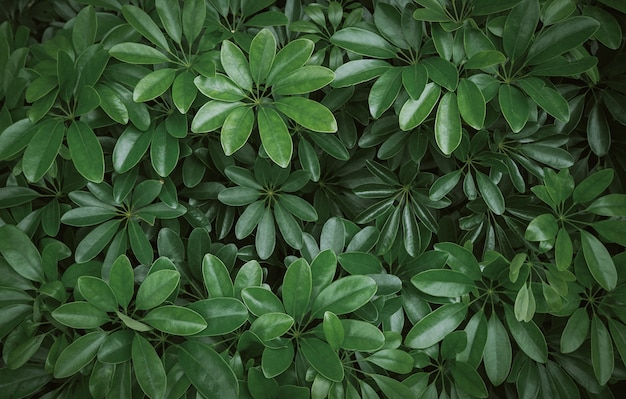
(599,261)
(308,113)
(148,368)
(275,135)
(448,132)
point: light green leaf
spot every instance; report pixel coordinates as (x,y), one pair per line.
(184,91)
(303,80)
(275,136)
(344,295)
(212,115)
(443,282)
(514,106)
(262,53)
(236,129)
(81,315)
(78,354)
(471,104)
(216,277)
(308,113)
(435,326)
(137,53)
(364,42)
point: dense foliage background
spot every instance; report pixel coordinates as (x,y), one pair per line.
(298,199)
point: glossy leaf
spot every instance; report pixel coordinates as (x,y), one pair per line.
(78,354)
(344,295)
(308,113)
(148,367)
(435,326)
(86,151)
(599,261)
(20,253)
(175,320)
(498,353)
(448,130)
(156,288)
(442,282)
(322,358)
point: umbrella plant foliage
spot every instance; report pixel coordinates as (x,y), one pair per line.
(312,199)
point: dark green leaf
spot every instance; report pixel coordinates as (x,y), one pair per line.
(599,261)
(344,295)
(322,358)
(20,253)
(137,53)
(442,282)
(156,288)
(364,42)
(86,151)
(78,354)
(81,315)
(498,353)
(216,277)
(148,368)
(414,112)
(175,320)
(448,132)
(222,315)
(144,25)
(275,136)
(262,53)
(602,358)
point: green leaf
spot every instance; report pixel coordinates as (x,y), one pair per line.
(611,230)
(442,72)
(618,333)
(249,219)
(344,295)
(137,53)
(78,354)
(414,80)
(236,129)
(385,91)
(563,249)
(448,132)
(121,280)
(471,104)
(154,84)
(364,42)
(289,59)
(95,241)
(388,20)
(148,368)
(175,320)
(20,253)
(238,196)
(394,360)
(361,336)
(436,325)
(24,381)
(602,358)
(139,243)
(599,261)
(216,277)
(84,29)
(164,151)
(593,185)
(219,87)
(144,25)
(322,358)
(81,315)
(308,113)
(303,80)
(560,38)
(86,151)
(609,205)
(23,352)
(262,53)
(222,315)
(598,131)
(130,148)
(156,288)
(414,112)
(555,157)
(261,300)
(444,185)
(528,336)
(542,228)
(296,290)
(265,240)
(443,282)
(467,379)
(497,356)
(271,325)
(116,348)
(194,15)
(184,91)
(39,87)
(236,65)
(546,97)
(519,28)
(485,59)
(170,17)
(514,106)
(275,136)
(609,32)
(333,330)
(491,193)
(97,292)
(460,259)
(359,71)
(575,331)
(392,388)
(275,361)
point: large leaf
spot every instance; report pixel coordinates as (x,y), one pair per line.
(443,282)
(262,53)
(236,129)
(498,353)
(519,28)
(177,320)
(436,325)
(275,136)
(344,295)
(156,288)
(216,277)
(599,261)
(297,286)
(236,65)
(42,151)
(322,358)
(514,106)
(561,37)
(148,368)
(20,253)
(471,103)
(200,362)
(308,113)
(528,336)
(145,25)
(86,151)
(448,132)
(78,354)
(81,315)
(364,42)
(222,315)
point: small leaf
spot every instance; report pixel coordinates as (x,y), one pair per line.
(491,193)
(216,277)
(236,65)
(271,325)
(593,185)
(575,331)
(333,330)
(97,292)
(609,205)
